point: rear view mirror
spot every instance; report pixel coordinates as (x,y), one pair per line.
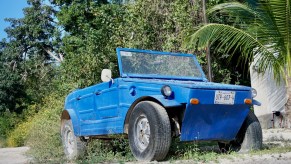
(106,75)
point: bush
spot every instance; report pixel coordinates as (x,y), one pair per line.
(8,121)
(44,136)
(19,135)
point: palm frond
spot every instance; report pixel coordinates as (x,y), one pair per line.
(231,38)
(232,7)
(267,34)
(279,28)
(282,12)
(242,12)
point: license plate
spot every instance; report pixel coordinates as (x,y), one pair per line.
(224,97)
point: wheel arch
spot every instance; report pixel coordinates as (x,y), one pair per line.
(69,114)
(157,99)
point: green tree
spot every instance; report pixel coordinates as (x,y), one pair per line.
(37,32)
(12,91)
(93,31)
(34,40)
(11,87)
(264,35)
(26,72)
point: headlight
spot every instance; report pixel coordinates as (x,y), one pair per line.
(254,93)
(166,91)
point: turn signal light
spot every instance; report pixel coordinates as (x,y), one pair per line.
(194,101)
(248,101)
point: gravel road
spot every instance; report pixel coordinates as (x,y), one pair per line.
(17,156)
(14,155)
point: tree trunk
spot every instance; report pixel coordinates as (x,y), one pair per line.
(288,105)
(208,46)
(58,57)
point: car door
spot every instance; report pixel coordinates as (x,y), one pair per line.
(107,100)
(98,109)
(85,104)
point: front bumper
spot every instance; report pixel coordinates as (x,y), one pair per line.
(209,121)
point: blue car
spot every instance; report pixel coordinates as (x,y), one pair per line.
(159,96)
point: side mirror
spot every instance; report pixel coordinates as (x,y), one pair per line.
(106,75)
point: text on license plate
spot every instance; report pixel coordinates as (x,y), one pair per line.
(224,97)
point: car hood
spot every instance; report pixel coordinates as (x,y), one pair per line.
(190,84)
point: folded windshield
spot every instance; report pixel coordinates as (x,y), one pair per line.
(159,65)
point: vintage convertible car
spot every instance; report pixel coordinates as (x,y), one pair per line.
(158,96)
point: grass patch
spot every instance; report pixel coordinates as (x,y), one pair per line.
(197,151)
(112,151)
(2,142)
(209,151)
(271,148)
(117,151)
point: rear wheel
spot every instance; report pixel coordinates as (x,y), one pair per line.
(149,131)
(74,147)
(248,138)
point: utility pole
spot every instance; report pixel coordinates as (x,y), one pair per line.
(208,46)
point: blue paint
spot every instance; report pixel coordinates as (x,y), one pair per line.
(75,121)
(101,109)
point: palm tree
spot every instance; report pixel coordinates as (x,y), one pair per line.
(266,36)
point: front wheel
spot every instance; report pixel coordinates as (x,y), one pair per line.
(74,147)
(248,138)
(149,132)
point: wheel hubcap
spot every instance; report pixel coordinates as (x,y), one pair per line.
(142,132)
(69,142)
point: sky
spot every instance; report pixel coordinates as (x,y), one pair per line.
(10,9)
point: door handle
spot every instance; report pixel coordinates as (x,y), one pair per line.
(98,93)
(78,98)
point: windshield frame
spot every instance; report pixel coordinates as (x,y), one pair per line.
(153,76)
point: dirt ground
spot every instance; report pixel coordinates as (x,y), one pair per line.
(282,158)
(14,155)
(273,136)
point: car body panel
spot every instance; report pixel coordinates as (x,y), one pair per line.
(208,121)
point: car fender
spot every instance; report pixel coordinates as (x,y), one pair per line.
(256,102)
(166,102)
(156,98)
(71,114)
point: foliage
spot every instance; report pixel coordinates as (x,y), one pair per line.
(12,98)
(25,57)
(198,151)
(115,150)
(266,38)
(7,122)
(44,137)
(32,45)
(19,135)
(99,29)
(161,25)
(11,88)
(93,49)
(36,35)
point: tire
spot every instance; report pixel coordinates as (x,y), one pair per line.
(248,138)
(74,147)
(149,132)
